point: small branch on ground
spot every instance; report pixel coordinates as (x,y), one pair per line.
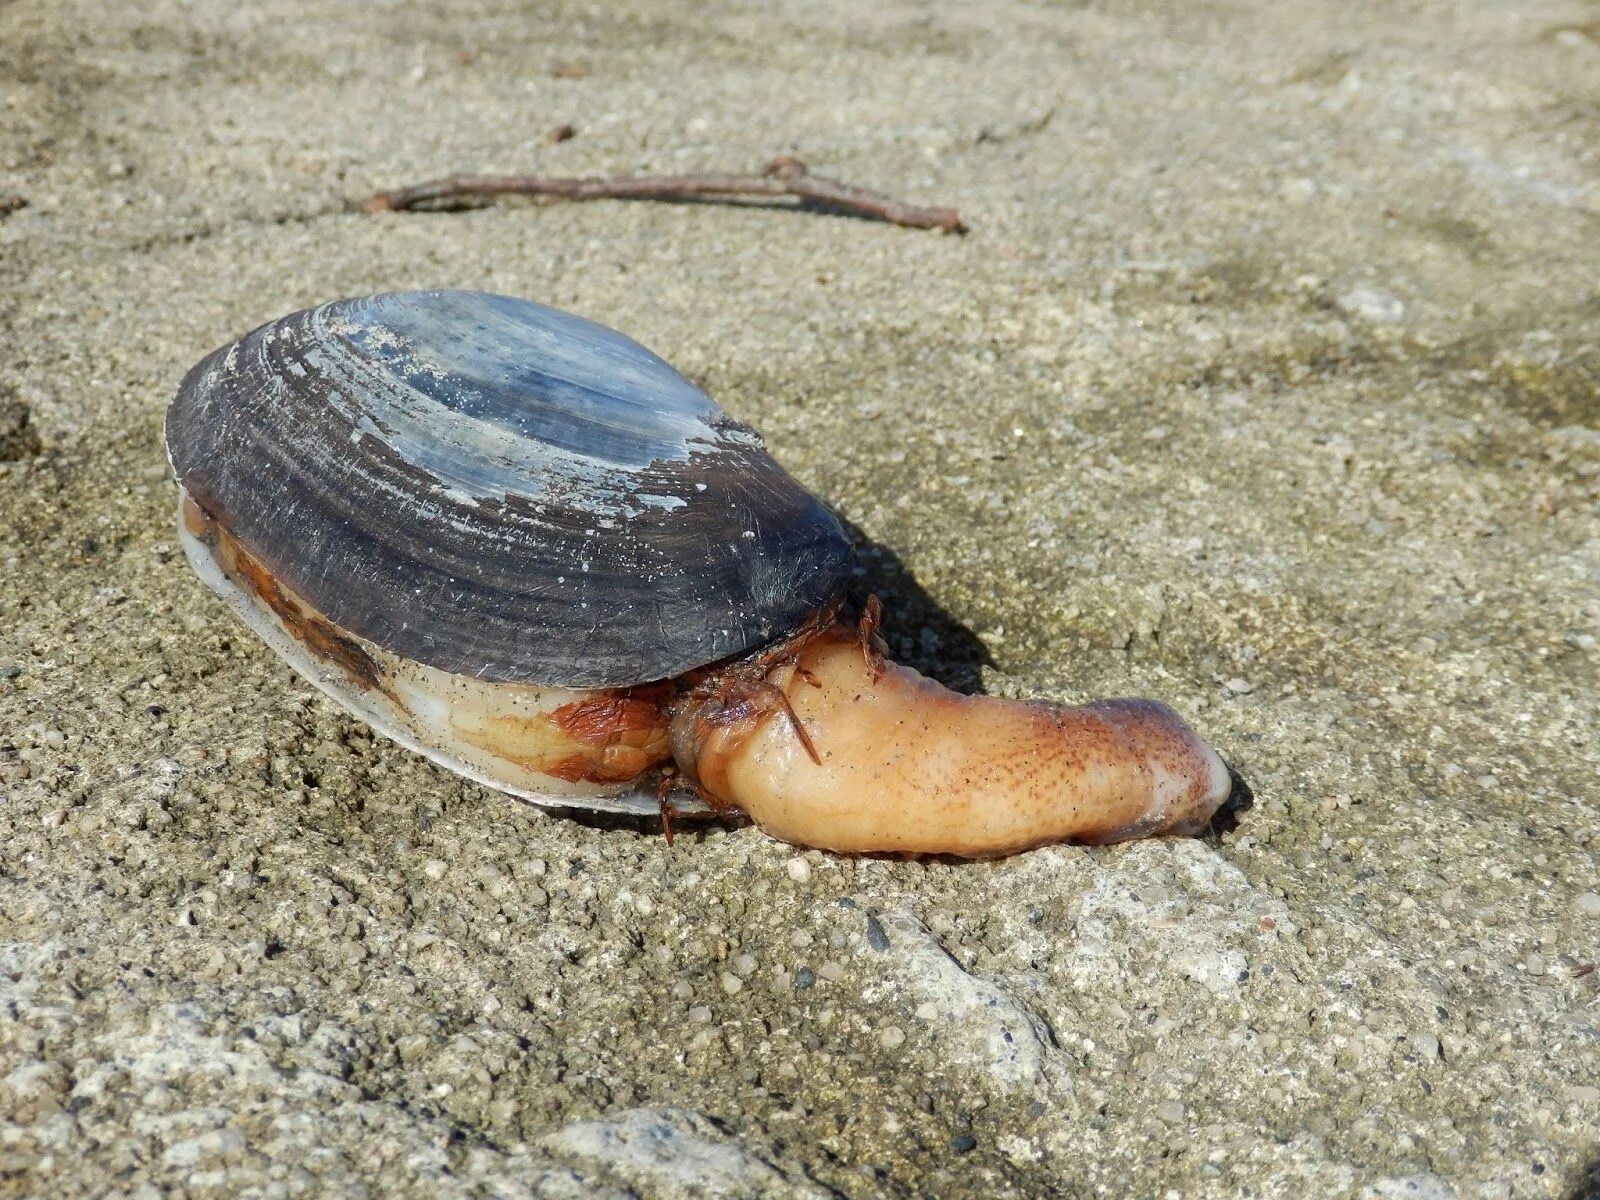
(784,176)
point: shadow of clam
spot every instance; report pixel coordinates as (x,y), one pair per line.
(1588,1184)
(1241,799)
(920,632)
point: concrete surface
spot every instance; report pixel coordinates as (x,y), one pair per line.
(1267,382)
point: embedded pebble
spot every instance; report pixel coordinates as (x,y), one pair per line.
(1373,304)
(876,937)
(1410,1187)
(662,1151)
(982,1026)
(1426,1045)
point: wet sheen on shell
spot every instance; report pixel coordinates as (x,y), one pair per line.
(492,488)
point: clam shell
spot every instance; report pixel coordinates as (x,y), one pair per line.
(492,488)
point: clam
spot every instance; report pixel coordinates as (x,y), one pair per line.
(521,544)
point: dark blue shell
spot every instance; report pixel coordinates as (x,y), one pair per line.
(498,489)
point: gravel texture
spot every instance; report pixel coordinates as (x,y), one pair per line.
(1267,383)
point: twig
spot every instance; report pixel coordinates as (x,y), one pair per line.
(784,176)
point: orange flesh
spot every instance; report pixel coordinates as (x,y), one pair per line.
(616,736)
(909,766)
